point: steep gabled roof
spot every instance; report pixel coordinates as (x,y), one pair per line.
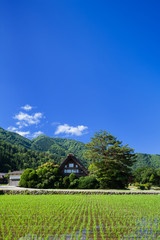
(71,156)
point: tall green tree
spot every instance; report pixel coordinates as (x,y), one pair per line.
(112,161)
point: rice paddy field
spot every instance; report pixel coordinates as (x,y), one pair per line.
(79,217)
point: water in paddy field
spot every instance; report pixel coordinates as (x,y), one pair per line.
(146,229)
(65,237)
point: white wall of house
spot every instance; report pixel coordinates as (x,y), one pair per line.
(14,180)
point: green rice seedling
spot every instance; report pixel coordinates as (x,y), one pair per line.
(70,220)
(109,217)
(66,220)
(88,223)
(76,221)
(82,225)
(94,223)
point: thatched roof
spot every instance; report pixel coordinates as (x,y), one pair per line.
(71,156)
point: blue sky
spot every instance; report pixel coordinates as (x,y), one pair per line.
(81,66)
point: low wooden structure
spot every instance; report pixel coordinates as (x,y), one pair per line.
(14,178)
(72,165)
(3,179)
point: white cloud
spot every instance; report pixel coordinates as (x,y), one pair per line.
(24,134)
(25,119)
(21,124)
(78,131)
(27,107)
(36,134)
(12,129)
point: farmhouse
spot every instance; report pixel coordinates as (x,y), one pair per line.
(72,165)
(14,178)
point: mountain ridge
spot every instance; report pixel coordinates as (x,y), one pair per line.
(60,147)
(57,147)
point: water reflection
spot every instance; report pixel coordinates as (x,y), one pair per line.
(66,237)
(146,229)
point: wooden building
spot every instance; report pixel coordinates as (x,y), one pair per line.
(14,178)
(72,165)
(3,179)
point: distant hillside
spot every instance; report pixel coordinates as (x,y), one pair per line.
(58,148)
(148,160)
(18,158)
(14,138)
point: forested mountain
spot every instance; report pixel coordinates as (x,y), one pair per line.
(24,153)
(14,138)
(18,158)
(30,153)
(58,147)
(147,160)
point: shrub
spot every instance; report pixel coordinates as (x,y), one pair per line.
(39,185)
(66,182)
(136,184)
(29,178)
(89,182)
(72,177)
(148,186)
(141,187)
(74,184)
(46,176)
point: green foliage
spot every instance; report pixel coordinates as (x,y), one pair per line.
(17,158)
(46,176)
(152,179)
(145,175)
(146,160)
(29,179)
(88,182)
(74,184)
(66,182)
(72,177)
(146,186)
(73,181)
(141,187)
(58,148)
(112,161)
(49,176)
(136,184)
(14,139)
